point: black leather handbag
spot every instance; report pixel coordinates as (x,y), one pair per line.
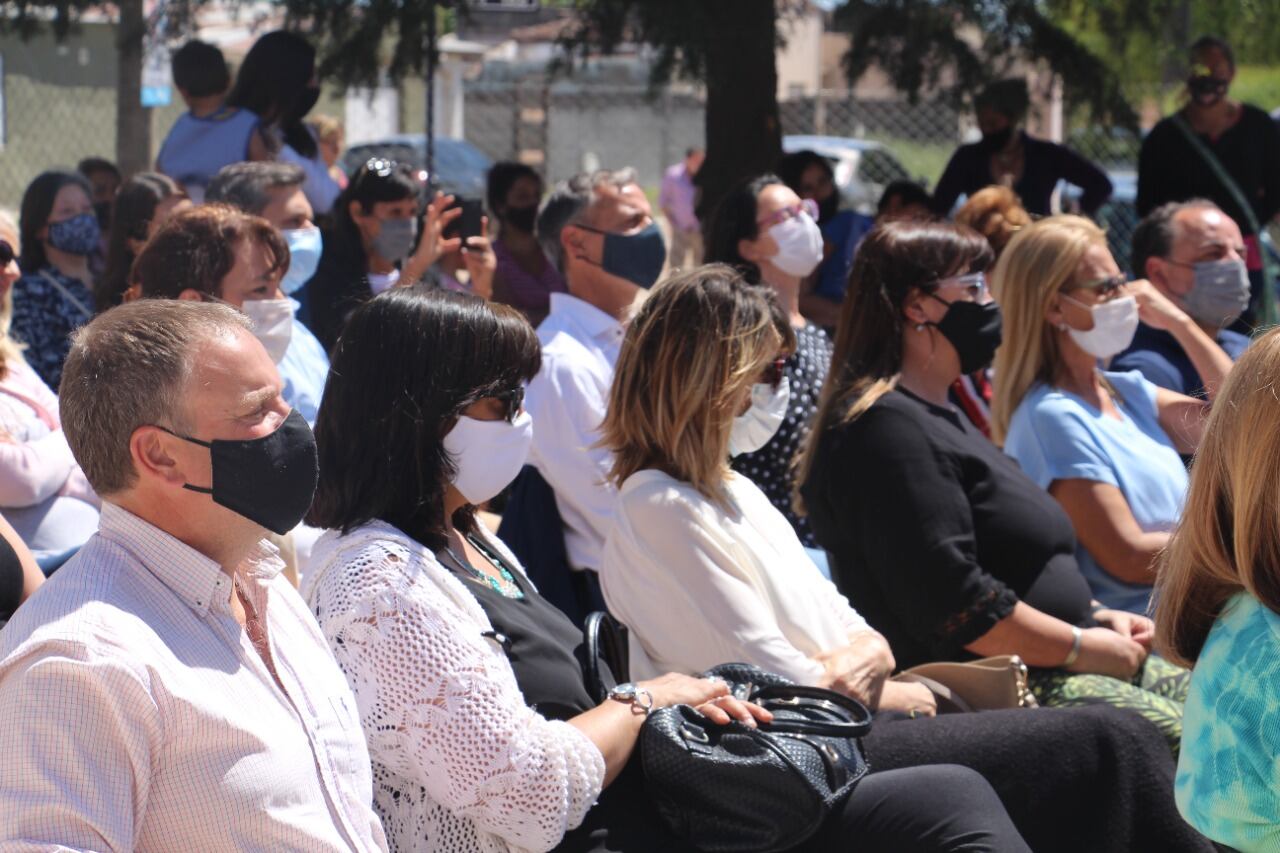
(734,789)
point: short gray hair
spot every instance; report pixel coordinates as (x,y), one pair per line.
(567,202)
(248,185)
(128,368)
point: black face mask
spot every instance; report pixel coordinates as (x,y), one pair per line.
(973,329)
(636,257)
(521,218)
(269,480)
(1207,91)
(997,140)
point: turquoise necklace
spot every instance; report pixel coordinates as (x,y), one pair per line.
(507,587)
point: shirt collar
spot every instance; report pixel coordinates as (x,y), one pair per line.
(587,317)
(192,576)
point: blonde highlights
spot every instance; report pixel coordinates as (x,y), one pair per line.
(698,343)
(1229,538)
(1039,260)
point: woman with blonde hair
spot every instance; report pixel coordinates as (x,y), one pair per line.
(1218,609)
(703,569)
(945,545)
(1106,445)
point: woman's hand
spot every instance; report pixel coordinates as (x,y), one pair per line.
(432,243)
(1140,629)
(1154,308)
(481,262)
(908,698)
(676,689)
(859,669)
(1105,652)
(725,708)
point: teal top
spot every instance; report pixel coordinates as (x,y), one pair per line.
(1228,784)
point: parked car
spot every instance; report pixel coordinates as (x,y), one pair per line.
(863,167)
(461,168)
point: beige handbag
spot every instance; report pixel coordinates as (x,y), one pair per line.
(990,684)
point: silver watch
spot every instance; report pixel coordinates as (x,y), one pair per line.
(634,695)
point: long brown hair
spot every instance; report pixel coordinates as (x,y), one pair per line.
(1228,540)
(894,259)
(699,341)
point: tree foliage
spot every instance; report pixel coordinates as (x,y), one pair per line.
(952,48)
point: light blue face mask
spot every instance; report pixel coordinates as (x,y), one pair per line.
(305,246)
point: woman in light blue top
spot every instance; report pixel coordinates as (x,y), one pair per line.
(1105,445)
(1218,604)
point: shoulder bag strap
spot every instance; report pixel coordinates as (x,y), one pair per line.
(67,294)
(1268,316)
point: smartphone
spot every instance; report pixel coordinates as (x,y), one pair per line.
(468,224)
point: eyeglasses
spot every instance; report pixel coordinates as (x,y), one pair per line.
(512,401)
(1104,287)
(774,371)
(807,205)
(974,284)
(7,255)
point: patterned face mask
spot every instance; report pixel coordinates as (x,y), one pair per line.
(78,235)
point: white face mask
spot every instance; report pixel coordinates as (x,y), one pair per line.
(272,324)
(1114,324)
(488,454)
(799,245)
(753,429)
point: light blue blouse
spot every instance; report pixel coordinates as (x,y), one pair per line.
(1229,769)
(304,370)
(1055,435)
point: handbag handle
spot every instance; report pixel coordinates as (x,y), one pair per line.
(800,696)
(603,638)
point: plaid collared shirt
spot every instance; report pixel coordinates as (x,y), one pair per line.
(135,713)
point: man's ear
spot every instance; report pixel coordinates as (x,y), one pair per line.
(149,449)
(571,242)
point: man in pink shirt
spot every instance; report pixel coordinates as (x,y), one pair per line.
(677,199)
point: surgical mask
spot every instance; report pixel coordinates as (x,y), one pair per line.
(1220,292)
(799,245)
(488,454)
(395,239)
(754,428)
(269,480)
(305,245)
(78,235)
(1114,324)
(636,257)
(521,218)
(272,324)
(974,329)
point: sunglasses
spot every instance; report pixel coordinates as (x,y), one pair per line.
(807,205)
(774,372)
(7,254)
(512,401)
(1104,287)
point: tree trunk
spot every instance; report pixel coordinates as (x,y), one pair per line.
(133,121)
(743,133)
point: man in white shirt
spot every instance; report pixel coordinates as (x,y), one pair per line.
(167,689)
(599,230)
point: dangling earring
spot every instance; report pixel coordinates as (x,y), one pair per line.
(920,327)
(1062,326)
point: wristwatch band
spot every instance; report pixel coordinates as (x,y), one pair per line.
(634,695)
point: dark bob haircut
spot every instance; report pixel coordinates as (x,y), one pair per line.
(502,177)
(196,249)
(37,204)
(408,363)
(136,205)
(734,220)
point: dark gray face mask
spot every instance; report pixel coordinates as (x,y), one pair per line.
(269,480)
(395,239)
(1220,292)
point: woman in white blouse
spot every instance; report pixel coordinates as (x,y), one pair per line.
(482,734)
(703,568)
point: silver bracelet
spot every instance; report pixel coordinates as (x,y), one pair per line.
(1076,636)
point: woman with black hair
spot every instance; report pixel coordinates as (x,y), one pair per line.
(145,201)
(763,230)
(525,278)
(372,244)
(54,297)
(277,82)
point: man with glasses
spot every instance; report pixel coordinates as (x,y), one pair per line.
(1193,254)
(599,231)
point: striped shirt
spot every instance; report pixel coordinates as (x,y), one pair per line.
(137,714)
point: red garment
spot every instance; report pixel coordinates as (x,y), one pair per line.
(972,393)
